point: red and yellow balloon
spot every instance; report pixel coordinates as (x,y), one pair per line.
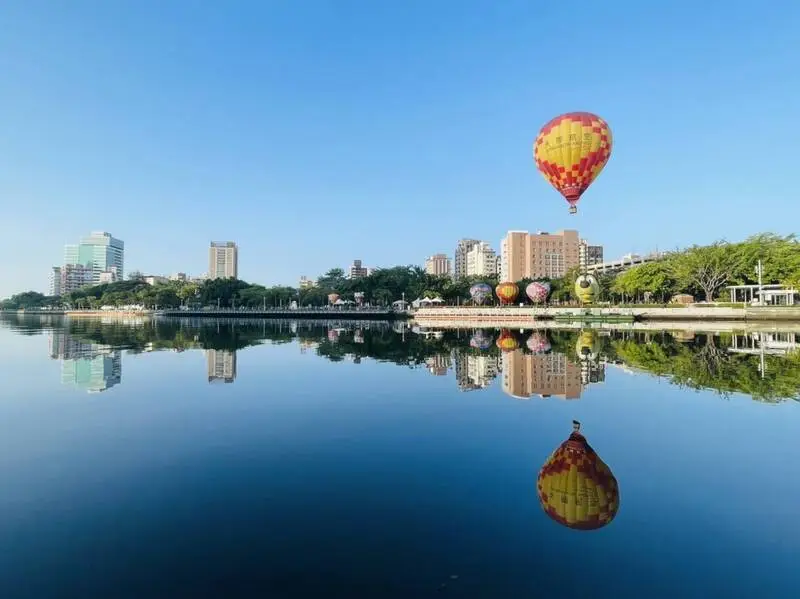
(576,488)
(507,292)
(570,151)
(506,341)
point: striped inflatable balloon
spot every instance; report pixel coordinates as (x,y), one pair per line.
(570,151)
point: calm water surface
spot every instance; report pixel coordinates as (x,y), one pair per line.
(307,459)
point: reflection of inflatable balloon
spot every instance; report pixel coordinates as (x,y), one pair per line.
(538,291)
(332,297)
(479,292)
(506,341)
(570,151)
(538,343)
(480,340)
(333,335)
(587,289)
(588,346)
(507,292)
(576,488)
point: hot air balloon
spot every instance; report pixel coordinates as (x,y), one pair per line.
(332,297)
(570,151)
(588,346)
(576,488)
(479,292)
(507,292)
(537,343)
(538,291)
(506,341)
(359,297)
(587,289)
(480,340)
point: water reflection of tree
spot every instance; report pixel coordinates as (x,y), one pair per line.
(699,361)
(706,363)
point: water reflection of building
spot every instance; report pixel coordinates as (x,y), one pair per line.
(771,342)
(525,375)
(475,372)
(438,365)
(221,365)
(592,372)
(89,366)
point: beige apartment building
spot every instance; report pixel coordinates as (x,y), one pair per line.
(481,260)
(438,264)
(223,260)
(539,255)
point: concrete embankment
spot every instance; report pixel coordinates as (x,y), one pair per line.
(511,316)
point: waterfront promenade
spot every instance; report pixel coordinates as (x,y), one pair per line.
(512,316)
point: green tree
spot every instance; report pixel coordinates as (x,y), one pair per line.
(706,268)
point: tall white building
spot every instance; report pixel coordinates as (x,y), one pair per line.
(100,252)
(481,260)
(460,260)
(55,281)
(223,260)
(357,270)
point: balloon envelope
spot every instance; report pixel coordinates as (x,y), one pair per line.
(576,488)
(479,292)
(587,289)
(570,151)
(538,291)
(507,292)
(537,343)
(332,297)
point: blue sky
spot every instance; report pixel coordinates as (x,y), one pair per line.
(315,132)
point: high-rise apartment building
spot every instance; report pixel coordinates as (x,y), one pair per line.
(460,260)
(481,260)
(357,271)
(438,264)
(101,253)
(223,260)
(75,276)
(306,283)
(539,255)
(55,281)
(589,255)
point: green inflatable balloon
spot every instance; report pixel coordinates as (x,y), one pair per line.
(587,289)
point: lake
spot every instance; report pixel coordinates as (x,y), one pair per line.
(278,459)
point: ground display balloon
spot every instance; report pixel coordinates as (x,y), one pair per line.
(576,488)
(538,291)
(332,297)
(570,151)
(479,292)
(507,292)
(587,289)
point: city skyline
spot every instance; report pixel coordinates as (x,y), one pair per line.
(385,134)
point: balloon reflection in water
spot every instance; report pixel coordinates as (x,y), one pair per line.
(588,346)
(576,488)
(537,343)
(479,292)
(506,341)
(480,340)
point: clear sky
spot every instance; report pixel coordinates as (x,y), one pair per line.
(313,132)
